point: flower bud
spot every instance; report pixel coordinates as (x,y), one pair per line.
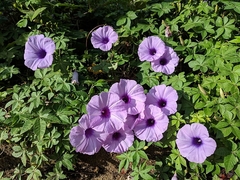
(75,78)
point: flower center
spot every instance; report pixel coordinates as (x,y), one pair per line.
(150,122)
(163,61)
(88,132)
(152,51)
(116,136)
(105,113)
(105,40)
(162,103)
(41,54)
(125,98)
(196,141)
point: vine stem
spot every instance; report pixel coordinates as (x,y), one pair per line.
(86,43)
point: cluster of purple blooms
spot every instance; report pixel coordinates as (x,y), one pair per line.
(113,118)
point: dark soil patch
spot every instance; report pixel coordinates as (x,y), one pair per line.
(7,161)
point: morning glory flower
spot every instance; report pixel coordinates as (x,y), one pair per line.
(167,62)
(152,126)
(85,138)
(194,143)
(131,93)
(151,48)
(107,111)
(119,141)
(132,120)
(38,52)
(164,97)
(103,38)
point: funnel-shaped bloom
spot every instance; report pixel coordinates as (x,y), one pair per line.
(39,52)
(194,143)
(151,48)
(107,111)
(164,97)
(85,138)
(119,141)
(152,126)
(103,38)
(132,95)
(167,62)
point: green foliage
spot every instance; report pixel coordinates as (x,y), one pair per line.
(38,110)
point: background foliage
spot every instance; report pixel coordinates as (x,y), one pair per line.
(38,109)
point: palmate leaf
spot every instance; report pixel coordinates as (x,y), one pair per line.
(232,5)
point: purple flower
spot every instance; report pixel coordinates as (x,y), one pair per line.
(194,143)
(107,111)
(75,78)
(174,177)
(152,126)
(151,48)
(119,141)
(164,97)
(103,38)
(85,138)
(167,62)
(131,93)
(132,120)
(39,52)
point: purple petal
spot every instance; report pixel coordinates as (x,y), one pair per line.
(151,132)
(195,151)
(151,48)
(119,141)
(103,38)
(131,93)
(38,52)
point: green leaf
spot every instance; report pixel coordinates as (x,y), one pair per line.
(131,15)
(38,74)
(236,131)
(39,128)
(146,176)
(237,170)
(22,23)
(229,162)
(121,164)
(28,124)
(219,22)
(37,12)
(143,154)
(121,21)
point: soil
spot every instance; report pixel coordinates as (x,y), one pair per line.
(101,166)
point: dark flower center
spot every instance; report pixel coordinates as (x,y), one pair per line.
(105,40)
(88,132)
(162,103)
(41,54)
(116,136)
(105,113)
(150,122)
(163,61)
(135,116)
(152,51)
(196,141)
(125,98)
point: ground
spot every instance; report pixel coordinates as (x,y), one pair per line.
(100,166)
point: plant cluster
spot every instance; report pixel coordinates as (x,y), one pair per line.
(166,72)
